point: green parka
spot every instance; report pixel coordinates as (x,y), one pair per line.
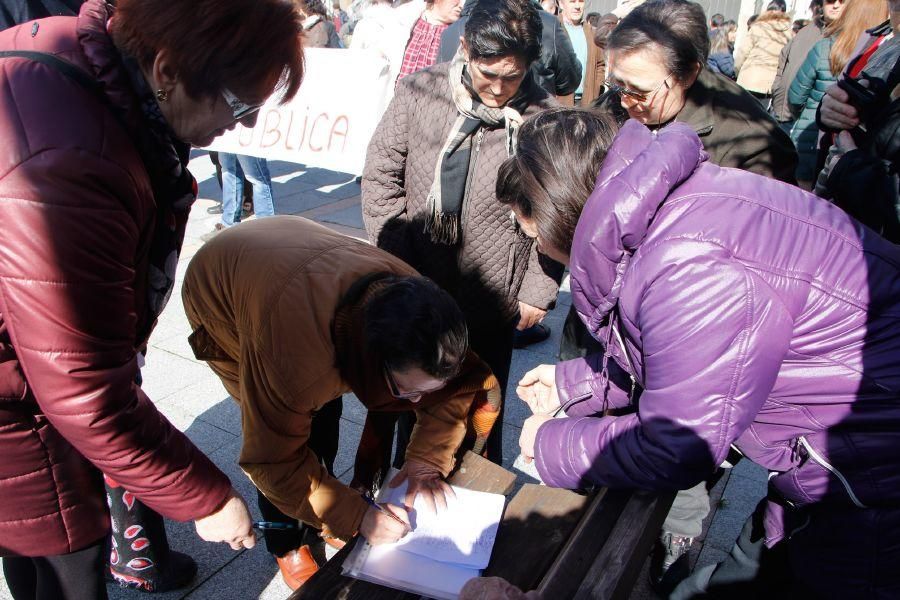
(804,96)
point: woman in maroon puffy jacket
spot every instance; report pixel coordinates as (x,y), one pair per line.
(96,125)
(747,313)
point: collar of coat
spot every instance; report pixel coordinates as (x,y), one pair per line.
(639,172)
(698,105)
(359,368)
(104,61)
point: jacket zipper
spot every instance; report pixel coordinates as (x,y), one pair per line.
(476,147)
(614,330)
(604,375)
(820,460)
(627,358)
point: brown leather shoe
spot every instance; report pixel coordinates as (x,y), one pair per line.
(335,543)
(297,566)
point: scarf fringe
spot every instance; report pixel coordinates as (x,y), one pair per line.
(443,228)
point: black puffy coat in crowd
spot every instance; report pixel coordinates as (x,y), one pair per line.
(865,182)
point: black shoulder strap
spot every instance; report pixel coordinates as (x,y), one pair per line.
(64,67)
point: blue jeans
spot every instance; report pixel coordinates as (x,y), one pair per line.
(235,167)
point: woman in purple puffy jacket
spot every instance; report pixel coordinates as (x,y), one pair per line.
(747,313)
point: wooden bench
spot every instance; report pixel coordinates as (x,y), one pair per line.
(564,544)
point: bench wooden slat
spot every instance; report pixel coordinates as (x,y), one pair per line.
(572,563)
(615,569)
(479,474)
(536,524)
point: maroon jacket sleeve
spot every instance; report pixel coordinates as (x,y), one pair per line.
(71,228)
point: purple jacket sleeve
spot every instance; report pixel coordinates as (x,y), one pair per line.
(714,336)
(578,384)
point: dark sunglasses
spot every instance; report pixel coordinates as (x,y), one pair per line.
(614,87)
(239,108)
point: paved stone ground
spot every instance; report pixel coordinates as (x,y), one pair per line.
(192,398)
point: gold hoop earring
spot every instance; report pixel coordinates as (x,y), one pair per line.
(162,95)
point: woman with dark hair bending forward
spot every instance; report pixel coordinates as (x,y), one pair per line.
(751,313)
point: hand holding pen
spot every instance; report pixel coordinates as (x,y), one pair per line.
(384,523)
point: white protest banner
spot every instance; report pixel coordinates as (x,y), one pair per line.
(329,122)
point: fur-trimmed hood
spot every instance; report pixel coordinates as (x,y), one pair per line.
(776,18)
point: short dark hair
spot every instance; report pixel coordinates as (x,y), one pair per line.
(816,7)
(236,44)
(498,28)
(558,155)
(677,27)
(777,5)
(593,18)
(603,28)
(412,323)
(311,7)
(717,20)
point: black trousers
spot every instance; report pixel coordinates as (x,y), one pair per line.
(750,571)
(495,347)
(74,576)
(576,342)
(323,441)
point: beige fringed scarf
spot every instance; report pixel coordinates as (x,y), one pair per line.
(447,195)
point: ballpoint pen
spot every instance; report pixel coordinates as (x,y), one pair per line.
(263,525)
(382,509)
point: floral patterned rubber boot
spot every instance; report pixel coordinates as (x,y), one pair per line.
(139,554)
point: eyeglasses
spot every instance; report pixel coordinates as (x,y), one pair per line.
(634,95)
(239,109)
(395,390)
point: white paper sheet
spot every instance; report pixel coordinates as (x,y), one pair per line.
(463,534)
(443,550)
(386,565)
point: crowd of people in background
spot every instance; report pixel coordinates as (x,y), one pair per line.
(725,197)
(786,64)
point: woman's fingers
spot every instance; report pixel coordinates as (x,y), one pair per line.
(532,376)
(398,478)
(435,493)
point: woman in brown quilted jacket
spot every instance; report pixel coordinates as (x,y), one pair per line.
(97,115)
(428,188)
